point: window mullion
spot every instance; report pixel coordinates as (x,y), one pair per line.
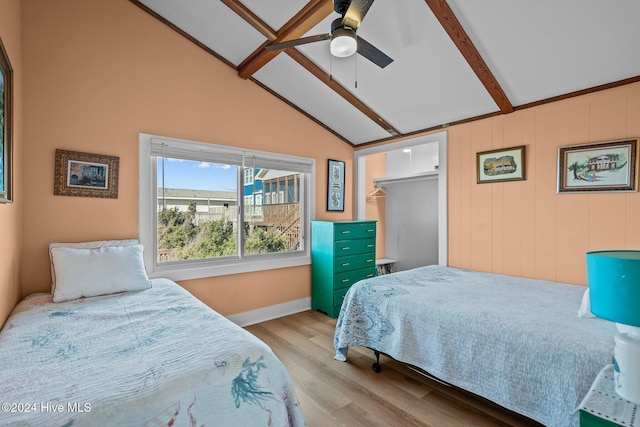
(240,218)
(154,200)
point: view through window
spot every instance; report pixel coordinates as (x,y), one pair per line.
(218,209)
(199,207)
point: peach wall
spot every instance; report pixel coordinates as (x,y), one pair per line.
(11,213)
(99,72)
(525,228)
(375,208)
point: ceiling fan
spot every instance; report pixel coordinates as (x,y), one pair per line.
(344,41)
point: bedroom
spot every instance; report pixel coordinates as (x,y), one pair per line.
(90,76)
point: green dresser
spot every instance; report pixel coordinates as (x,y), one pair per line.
(342,252)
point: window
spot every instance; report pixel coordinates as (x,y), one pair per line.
(248,176)
(207,210)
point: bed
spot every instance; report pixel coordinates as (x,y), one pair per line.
(148,357)
(517,342)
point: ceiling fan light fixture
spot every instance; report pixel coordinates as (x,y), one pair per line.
(343,42)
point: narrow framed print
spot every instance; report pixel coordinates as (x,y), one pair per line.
(86,175)
(600,166)
(6,127)
(335,186)
(504,164)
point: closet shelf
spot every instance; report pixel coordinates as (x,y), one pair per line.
(380,182)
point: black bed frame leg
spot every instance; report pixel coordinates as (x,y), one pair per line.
(376,365)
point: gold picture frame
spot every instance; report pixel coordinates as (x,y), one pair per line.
(601,166)
(86,175)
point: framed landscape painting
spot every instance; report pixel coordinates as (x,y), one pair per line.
(601,166)
(504,164)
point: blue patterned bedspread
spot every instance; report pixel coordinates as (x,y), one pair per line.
(515,341)
(148,358)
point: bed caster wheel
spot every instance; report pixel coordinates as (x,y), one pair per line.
(376,367)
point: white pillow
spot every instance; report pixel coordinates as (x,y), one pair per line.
(585,306)
(85,245)
(98,271)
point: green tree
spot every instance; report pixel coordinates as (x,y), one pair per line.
(261,241)
(175,228)
(215,238)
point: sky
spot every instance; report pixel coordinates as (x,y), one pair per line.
(193,175)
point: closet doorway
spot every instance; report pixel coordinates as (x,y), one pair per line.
(403,185)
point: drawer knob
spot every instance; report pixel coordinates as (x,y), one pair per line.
(346,232)
(370,260)
(344,264)
(369,246)
(369,275)
(346,248)
(345,280)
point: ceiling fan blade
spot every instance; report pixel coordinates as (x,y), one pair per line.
(296,42)
(372,53)
(356,12)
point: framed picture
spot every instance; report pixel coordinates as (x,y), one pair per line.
(504,164)
(335,186)
(6,112)
(601,166)
(86,175)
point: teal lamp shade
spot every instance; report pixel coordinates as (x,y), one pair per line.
(614,285)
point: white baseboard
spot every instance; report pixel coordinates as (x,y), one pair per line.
(272,312)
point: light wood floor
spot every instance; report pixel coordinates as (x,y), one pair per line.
(350,394)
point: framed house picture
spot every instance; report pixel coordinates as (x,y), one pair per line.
(6,124)
(600,166)
(86,175)
(504,164)
(335,186)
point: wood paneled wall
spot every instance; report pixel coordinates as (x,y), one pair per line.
(525,228)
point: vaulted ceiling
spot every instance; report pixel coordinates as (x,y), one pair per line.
(453,61)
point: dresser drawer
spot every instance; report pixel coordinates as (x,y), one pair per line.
(353,262)
(344,280)
(338,296)
(354,230)
(352,247)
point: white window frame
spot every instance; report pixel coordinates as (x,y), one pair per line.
(194,269)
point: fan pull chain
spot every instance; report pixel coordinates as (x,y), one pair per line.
(330,67)
(356,70)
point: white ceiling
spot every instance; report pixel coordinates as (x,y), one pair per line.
(535,50)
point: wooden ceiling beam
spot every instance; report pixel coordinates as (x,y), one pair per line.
(251,18)
(321,75)
(311,15)
(461,39)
